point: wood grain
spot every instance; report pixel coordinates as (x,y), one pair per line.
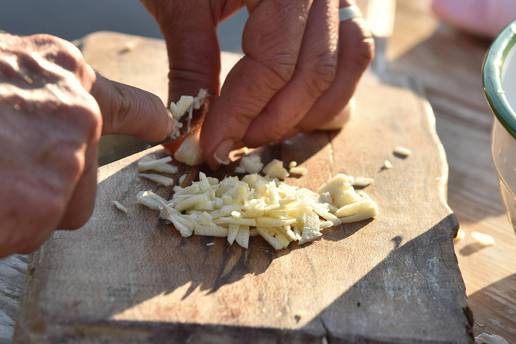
(129,278)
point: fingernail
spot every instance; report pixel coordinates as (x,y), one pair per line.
(221,154)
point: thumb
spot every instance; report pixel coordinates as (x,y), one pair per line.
(132,111)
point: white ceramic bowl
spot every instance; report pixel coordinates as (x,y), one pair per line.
(499,79)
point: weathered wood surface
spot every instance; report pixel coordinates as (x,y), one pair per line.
(395,279)
(448,63)
(12,277)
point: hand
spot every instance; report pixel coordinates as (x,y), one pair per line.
(50,129)
(299,70)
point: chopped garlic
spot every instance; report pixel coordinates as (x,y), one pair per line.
(211,230)
(362,182)
(482,238)
(275,169)
(292,164)
(129,46)
(239,169)
(387,164)
(232,232)
(460,235)
(299,170)
(181,179)
(365,206)
(242,237)
(151,200)
(186,104)
(157,178)
(179,108)
(311,228)
(402,152)
(120,206)
(190,150)
(256,205)
(157,165)
(250,164)
(200,99)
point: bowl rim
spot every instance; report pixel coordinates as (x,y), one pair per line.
(492,77)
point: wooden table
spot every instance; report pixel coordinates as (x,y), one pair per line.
(448,64)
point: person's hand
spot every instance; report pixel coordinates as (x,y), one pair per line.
(299,70)
(50,128)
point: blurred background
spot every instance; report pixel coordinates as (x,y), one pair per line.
(74,19)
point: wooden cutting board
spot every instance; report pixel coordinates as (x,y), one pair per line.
(131,279)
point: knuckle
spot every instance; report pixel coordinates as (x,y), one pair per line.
(62,52)
(88,120)
(64,58)
(282,67)
(276,134)
(72,165)
(319,75)
(364,51)
(51,208)
(43,38)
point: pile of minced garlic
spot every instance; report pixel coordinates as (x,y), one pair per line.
(237,208)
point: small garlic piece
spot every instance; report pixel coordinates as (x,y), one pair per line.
(362,182)
(157,165)
(483,239)
(157,178)
(119,206)
(387,165)
(250,164)
(275,169)
(239,169)
(179,108)
(402,152)
(460,235)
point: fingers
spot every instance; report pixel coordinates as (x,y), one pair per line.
(193,50)
(314,73)
(131,111)
(268,64)
(81,203)
(356,49)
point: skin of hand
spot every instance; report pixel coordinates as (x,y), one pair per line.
(53,109)
(299,70)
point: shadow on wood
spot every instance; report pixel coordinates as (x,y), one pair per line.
(422,288)
(498,302)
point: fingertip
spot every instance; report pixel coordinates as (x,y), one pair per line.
(131,111)
(165,125)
